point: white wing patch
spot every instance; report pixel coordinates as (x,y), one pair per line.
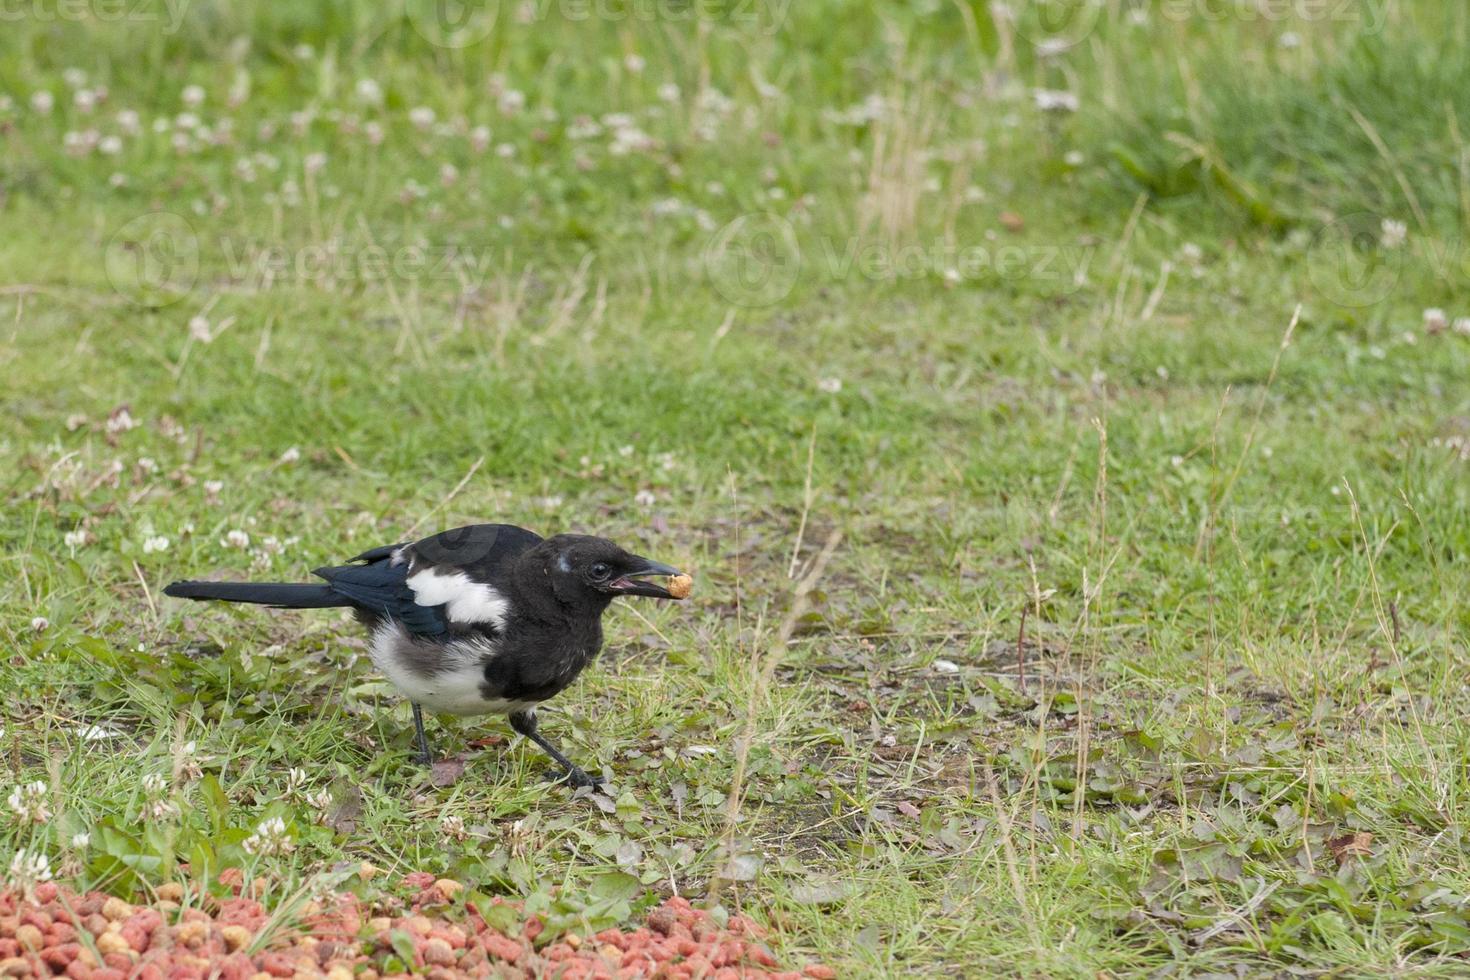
(465,600)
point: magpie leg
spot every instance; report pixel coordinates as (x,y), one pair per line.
(524,722)
(421,741)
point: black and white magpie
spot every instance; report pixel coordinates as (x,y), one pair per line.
(484,619)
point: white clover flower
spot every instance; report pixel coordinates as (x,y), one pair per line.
(191,762)
(75,539)
(373,130)
(40,624)
(669,92)
(645,498)
(212,490)
(448,174)
(199,329)
(315,162)
(452,827)
(110,145)
(155,543)
(161,809)
(42,102)
(291,455)
(121,420)
(583,128)
(28,869)
(84,99)
(74,77)
(28,803)
(480,139)
(369,91)
(80,842)
(1056,100)
(1392,234)
(192,96)
(235,539)
(634,64)
(321,802)
(512,101)
(270,837)
(1435,321)
(129,122)
(830,386)
(1462,326)
(422,117)
(296,780)
(154,784)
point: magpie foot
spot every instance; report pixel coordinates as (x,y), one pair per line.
(575,777)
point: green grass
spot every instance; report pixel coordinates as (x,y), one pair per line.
(1243,567)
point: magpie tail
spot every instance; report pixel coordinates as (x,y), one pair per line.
(282,595)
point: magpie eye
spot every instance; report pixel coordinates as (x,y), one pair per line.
(600,570)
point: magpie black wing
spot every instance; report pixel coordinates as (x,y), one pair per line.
(454,578)
(381,587)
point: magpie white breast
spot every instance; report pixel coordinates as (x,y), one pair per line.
(489,618)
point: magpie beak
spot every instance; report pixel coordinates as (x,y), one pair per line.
(632,582)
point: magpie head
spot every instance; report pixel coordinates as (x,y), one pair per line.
(591,571)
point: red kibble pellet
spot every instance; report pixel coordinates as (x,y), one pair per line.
(277,965)
(453,943)
(500,947)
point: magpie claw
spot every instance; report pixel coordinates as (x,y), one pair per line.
(575,777)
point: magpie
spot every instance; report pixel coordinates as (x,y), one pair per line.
(484,619)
